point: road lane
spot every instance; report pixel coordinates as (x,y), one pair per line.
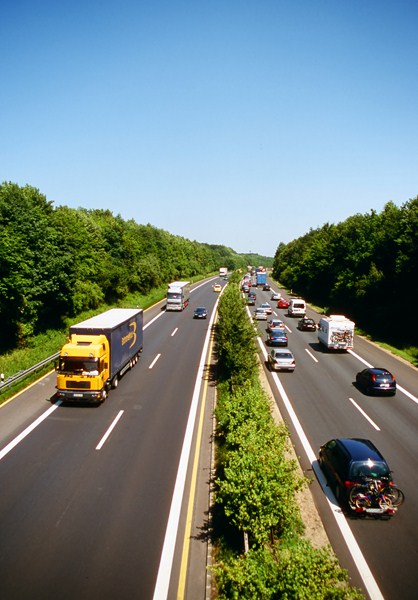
(320,395)
(84,523)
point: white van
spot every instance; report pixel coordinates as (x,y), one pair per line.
(297,307)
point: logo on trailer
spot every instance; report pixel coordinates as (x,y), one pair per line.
(130,336)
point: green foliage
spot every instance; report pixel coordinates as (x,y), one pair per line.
(58,262)
(365,267)
(256,482)
(236,339)
(255,489)
(290,570)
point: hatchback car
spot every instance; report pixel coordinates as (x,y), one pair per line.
(200,312)
(281,359)
(217,287)
(266,307)
(275,324)
(275,296)
(277,337)
(250,300)
(283,303)
(266,287)
(347,461)
(376,381)
(260,314)
(306,324)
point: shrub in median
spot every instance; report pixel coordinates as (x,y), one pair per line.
(256,485)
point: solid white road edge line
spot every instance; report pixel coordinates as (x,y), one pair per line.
(109,431)
(364,414)
(167,555)
(352,545)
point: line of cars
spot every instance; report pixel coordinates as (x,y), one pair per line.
(354,466)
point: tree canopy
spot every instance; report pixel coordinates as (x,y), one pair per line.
(59,261)
(365,267)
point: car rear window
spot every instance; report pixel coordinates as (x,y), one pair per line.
(369,468)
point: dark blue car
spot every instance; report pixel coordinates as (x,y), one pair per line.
(277,337)
(200,313)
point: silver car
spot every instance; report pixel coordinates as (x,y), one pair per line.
(281,359)
(260,314)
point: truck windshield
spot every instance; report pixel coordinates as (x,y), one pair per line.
(78,365)
(173,296)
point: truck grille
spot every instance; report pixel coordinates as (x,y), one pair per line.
(78,385)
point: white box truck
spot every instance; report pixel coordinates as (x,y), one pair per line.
(178,294)
(336,332)
(223,271)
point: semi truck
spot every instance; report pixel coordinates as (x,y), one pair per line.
(178,295)
(223,271)
(99,351)
(261,278)
(336,332)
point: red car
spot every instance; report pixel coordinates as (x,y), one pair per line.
(283,303)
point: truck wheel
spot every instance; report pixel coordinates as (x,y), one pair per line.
(104,395)
(115,382)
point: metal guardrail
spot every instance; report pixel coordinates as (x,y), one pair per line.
(22,374)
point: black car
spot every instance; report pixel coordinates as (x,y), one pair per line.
(347,461)
(376,380)
(277,337)
(266,287)
(306,324)
(200,313)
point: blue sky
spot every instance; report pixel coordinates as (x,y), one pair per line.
(243,123)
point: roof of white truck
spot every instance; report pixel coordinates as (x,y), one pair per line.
(337,319)
(178,284)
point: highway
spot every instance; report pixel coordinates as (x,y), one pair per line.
(320,401)
(86,493)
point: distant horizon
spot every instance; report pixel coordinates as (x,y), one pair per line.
(246,124)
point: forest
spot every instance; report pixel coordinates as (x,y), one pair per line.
(365,267)
(56,262)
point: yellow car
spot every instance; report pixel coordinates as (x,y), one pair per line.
(217,287)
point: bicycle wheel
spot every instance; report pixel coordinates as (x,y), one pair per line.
(358,497)
(396,495)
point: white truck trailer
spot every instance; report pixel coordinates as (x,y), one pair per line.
(178,294)
(336,332)
(223,271)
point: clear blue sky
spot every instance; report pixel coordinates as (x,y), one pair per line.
(235,122)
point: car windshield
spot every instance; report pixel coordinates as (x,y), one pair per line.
(369,468)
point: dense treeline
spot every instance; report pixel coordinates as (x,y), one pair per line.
(58,261)
(365,267)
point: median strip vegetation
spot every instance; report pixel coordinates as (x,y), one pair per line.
(259,548)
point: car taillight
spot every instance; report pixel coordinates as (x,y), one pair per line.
(374,376)
(350,484)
